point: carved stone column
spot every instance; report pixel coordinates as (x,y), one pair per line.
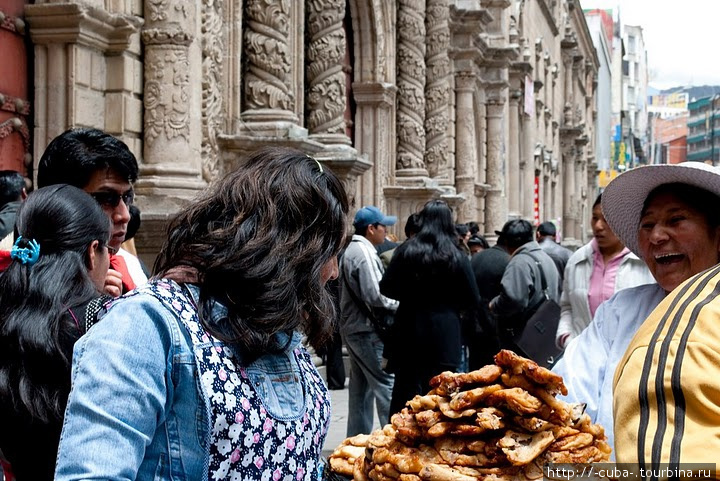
(465,144)
(527,164)
(514,186)
(267,90)
(375,138)
(171,171)
(568,174)
(171,154)
(326,98)
(495,207)
(411,89)
(568,97)
(437,90)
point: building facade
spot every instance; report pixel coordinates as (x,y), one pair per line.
(703,130)
(488,104)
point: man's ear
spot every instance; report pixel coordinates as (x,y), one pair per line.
(92,255)
(23,194)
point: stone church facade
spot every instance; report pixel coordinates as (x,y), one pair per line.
(488,104)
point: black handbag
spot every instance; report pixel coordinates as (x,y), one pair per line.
(537,338)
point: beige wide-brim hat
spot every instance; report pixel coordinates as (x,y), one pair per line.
(623,198)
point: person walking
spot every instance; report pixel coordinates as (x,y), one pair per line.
(361,271)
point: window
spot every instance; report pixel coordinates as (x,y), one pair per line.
(631,44)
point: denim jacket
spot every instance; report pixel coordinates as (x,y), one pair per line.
(137,410)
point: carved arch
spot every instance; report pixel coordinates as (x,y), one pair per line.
(372,23)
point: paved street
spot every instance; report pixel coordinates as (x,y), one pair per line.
(338,420)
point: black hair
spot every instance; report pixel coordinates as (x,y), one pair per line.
(134,222)
(35,336)
(474,227)
(479,240)
(705,202)
(434,248)
(258,240)
(412,225)
(597,200)
(517,232)
(11,186)
(75,155)
(547,229)
(462,229)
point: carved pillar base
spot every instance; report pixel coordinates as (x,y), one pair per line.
(403,201)
(348,166)
(235,147)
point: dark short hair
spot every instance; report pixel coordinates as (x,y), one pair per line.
(517,232)
(547,228)
(134,222)
(597,200)
(259,239)
(11,186)
(412,226)
(75,155)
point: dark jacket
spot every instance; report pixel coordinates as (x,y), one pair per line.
(432,301)
(521,284)
(8,212)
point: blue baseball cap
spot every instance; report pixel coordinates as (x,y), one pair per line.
(370,214)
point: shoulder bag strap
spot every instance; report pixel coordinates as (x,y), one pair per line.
(543,281)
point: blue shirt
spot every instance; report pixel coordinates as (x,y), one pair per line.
(137,410)
(589,362)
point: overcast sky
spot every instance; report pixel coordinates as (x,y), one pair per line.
(682,38)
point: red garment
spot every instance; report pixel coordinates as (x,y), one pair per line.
(4,260)
(118,263)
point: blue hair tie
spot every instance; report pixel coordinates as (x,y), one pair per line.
(26,255)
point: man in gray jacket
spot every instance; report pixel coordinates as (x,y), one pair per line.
(361,271)
(521,285)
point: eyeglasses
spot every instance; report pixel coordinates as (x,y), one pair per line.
(112,199)
(111,250)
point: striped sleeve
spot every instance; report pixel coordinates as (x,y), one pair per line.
(667,386)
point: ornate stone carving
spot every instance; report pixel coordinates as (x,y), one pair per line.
(166,96)
(411,84)
(213,114)
(326,95)
(268,62)
(437,87)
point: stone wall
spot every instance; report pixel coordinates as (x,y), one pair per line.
(406,100)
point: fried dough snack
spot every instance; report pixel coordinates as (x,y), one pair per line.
(499,423)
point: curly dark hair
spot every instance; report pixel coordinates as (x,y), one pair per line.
(259,239)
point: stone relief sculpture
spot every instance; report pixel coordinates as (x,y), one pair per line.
(268,62)
(437,87)
(326,92)
(166,85)
(411,84)
(213,114)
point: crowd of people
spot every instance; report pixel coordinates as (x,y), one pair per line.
(204,371)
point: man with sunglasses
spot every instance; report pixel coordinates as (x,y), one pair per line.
(104,167)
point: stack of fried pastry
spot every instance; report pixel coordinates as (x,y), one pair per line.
(499,423)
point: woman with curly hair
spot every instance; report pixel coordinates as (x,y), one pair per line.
(201,374)
(51,292)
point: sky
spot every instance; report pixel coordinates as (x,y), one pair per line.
(682,38)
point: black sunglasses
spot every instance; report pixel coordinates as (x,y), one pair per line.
(112,199)
(111,250)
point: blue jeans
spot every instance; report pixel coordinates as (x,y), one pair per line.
(368,382)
